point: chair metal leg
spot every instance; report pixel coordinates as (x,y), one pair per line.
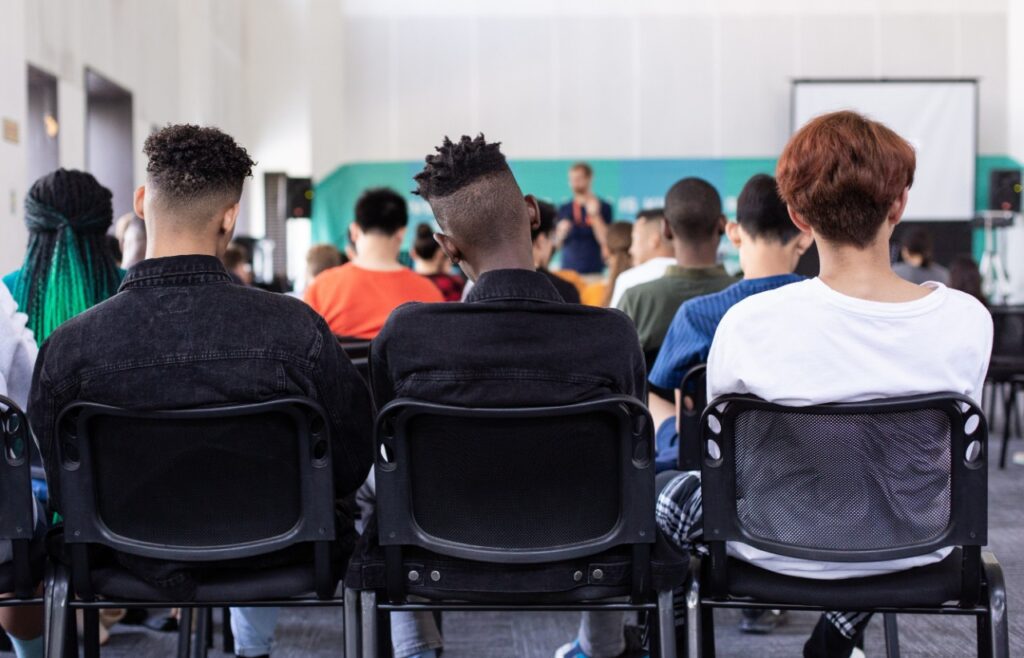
(55,611)
(666,625)
(91,632)
(707,632)
(199,621)
(71,635)
(368,601)
(185,633)
(1008,395)
(209,628)
(351,624)
(227,644)
(892,636)
(693,616)
(998,632)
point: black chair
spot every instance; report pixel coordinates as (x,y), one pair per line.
(695,387)
(24,571)
(1006,368)
(358,351)
(515,509)
(210,490)
(854,482)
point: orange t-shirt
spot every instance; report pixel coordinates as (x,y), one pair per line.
(356,302)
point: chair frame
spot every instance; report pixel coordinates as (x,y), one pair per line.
(17,520)
(398,528)
(71,589)
(983,593)
(689,451)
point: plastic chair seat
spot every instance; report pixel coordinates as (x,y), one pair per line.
(930,585)
(225,585)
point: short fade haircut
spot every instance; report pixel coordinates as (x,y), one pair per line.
(762,213)
(584,167)
(381,210)
(472,191)
(842,172)
(547,220)
(693,209)
(196,171)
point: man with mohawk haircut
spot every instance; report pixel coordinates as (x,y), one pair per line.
(514,342)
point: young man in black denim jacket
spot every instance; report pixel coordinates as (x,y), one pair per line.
(180,334)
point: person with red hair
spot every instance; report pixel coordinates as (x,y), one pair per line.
(855,332)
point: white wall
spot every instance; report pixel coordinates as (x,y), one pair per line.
(13,104)
(1015,114)
(645,78)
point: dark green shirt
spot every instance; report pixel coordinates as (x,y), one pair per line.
(652,305)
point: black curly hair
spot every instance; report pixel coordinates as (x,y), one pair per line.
(457,164)
(196,167)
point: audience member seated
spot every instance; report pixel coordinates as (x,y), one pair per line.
(769,247)
(965,276)
(24,625)
(615,253)
(236,262)
(856,332)
(556,353)
(68,266)
(429,260)
(651,252)
(582,223)
(358,297)
(322,257)
(195,344)
(544,249)
(918,265)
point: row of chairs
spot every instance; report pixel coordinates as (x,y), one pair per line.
(510,509)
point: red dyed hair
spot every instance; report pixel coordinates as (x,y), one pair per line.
(842,172)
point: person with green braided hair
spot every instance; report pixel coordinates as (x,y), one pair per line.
(68,267)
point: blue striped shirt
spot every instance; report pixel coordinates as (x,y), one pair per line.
(693,328)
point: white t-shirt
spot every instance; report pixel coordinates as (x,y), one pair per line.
(634,276)
(17,350)
(805,344)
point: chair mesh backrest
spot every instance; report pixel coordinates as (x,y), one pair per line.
(515,484)
(197,483)
(843,481)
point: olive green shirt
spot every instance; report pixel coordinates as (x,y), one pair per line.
(652,305)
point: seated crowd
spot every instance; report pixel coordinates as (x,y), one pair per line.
(519,336)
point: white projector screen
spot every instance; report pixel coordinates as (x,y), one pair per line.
(938,117)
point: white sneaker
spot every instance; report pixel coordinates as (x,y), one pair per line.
(857,653)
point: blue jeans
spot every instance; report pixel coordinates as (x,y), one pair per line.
(254,630)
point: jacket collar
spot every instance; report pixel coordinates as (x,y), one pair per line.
(193,269)
(513,285)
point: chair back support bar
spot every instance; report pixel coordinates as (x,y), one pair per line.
(864,481)
(205,484)
(694,386)
(17,521)
(524,485)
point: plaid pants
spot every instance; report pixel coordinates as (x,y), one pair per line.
(680,514)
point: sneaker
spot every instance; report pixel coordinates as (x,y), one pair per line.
(762,622)
(857,653)
(573,650)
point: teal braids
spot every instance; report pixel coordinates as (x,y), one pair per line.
(68,267)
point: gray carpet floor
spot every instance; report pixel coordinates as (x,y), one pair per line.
(317,632)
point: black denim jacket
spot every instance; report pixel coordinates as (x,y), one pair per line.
(180,334)
(513,342)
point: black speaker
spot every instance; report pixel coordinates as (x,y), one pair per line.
(1004,190)
(300,197)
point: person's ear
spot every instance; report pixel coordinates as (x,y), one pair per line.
(399,235)
(533,210)
(799,221)
(723,221)
(139,204)
(666,231)
(354,233)
(448,246)
(229,219)
(732,231)
(898,206)
(803,242)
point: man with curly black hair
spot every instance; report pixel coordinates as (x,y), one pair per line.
(179,334)
(514,342)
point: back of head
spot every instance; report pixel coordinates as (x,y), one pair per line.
(194,175)
(619,238)
(382,211)
(547,216)
(68,266)
(918,241)
(842,173)
(322,257)
(762,213)
(473,194)
(425,247)
(965,276)
(693,210)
